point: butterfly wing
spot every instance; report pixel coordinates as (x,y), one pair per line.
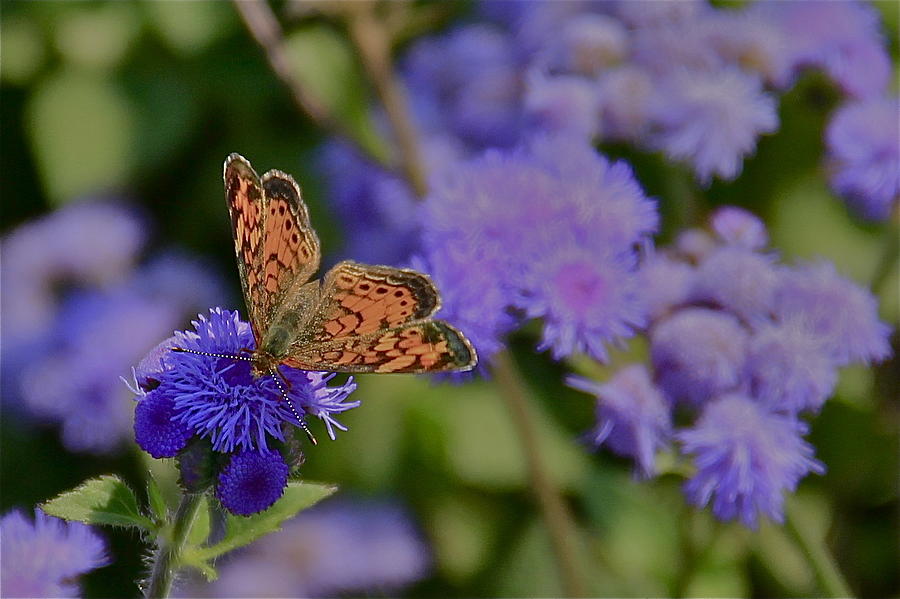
(428,346)
(277,250)
(377,319)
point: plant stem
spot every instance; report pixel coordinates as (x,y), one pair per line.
(260,21)
(550,501)
(165,562)
(373,45)
(828,576)
(890,253)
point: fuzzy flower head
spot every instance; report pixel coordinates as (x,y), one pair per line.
(746,458)
(863,142)
(841,314)
(551,228)
(44,558)
(713,119)
(736,226)
(187,396)
(633,416)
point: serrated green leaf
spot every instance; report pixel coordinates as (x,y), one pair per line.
(104,500)
(244,530)
(327,67)
(156,500)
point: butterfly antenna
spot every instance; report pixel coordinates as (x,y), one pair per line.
(212,355)
(275,375)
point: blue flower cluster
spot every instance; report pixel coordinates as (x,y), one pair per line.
(72,283)
(186,398)
(46,557)
(338,547)
(747,346)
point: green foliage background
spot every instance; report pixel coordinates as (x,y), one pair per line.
(145,100)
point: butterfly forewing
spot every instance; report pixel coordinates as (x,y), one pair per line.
(429,346)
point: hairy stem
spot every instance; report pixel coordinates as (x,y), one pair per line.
(373,45)
(553,508)
(828,576)
(165,562)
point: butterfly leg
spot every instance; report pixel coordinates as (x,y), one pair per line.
(212,355)
(277,376)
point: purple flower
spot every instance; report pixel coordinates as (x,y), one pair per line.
(863,140)
(626,96)
(562,104)
(665,284)
(219,398)
(746,458)
(739,280)
(712,119)
(787,369)
(841,37)
(550,226)
(633,417)
(737,226)
(842,315)
(698,354)
(185,396)
(44,558)
(252,481)
(338,547)
(587,298)
(587,45)
(753,39)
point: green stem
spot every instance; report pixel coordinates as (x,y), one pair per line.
(828,576)
(168,555)
(553,508)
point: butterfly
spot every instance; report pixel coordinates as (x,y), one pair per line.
(359,318)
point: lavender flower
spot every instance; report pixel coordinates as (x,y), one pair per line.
(698,354)
(626,97)
(633,417)
(184,396)
(738,227)
(842,315)
(840,36)
(712,119)
(739,280)
(863,140)
(787,369)
(550,227)
(44,558)
(562,104)
(746,458)
(337,547)
(665,284)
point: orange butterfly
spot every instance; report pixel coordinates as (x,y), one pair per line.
(358,318)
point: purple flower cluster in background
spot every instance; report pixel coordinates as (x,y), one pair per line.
(747,346)
(698,83)
(549,229)
(338,547)
(79,309)
(44,558)
(248,425)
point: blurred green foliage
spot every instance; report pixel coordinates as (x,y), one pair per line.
(144,100)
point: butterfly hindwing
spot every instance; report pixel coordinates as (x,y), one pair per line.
(358,299)
(428,346)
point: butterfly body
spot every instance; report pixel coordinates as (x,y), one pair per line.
(358,318)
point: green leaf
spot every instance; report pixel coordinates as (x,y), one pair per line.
(244,530)
(103,500)
(326,65)
(157,502)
